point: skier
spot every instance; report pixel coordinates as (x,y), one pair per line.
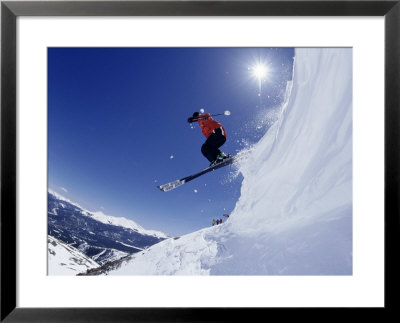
(215,134)
(213,222)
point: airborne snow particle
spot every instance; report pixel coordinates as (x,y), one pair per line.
(195,191)
(171,157)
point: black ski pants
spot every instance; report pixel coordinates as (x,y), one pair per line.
(214,141)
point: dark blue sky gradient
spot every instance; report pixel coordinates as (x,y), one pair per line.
(117,115)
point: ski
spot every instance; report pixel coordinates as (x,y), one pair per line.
(172,185)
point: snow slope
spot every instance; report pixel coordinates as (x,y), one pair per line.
(66,260)
(294,215)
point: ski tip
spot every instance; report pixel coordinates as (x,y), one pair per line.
(170,186)
(161,188)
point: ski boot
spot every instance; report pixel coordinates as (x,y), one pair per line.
(221,156)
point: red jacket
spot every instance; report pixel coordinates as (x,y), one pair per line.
(208,125)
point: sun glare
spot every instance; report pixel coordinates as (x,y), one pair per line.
(260,71)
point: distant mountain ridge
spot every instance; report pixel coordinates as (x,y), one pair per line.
(107,219)
(101,237)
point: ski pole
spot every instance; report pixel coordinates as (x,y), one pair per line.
(226,113)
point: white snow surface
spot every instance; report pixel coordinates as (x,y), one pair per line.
(112,255)
(294,215)
(66,260)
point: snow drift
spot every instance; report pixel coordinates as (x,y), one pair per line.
(64,259)
(294,215)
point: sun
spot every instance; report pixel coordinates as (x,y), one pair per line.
(260,71)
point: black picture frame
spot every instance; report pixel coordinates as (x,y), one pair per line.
(10,10)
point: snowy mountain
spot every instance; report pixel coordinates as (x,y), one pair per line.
(102,238)
(107,219)
(66,260)
(294,215)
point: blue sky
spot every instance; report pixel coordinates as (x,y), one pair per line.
(117,127)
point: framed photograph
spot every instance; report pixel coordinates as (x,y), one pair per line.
(193,160)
